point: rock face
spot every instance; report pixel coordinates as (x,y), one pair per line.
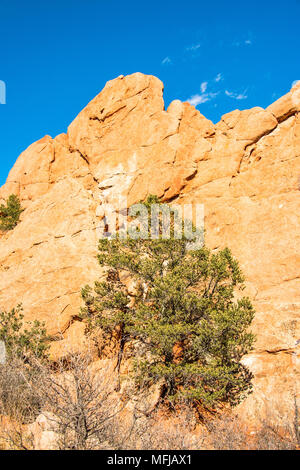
(246,172)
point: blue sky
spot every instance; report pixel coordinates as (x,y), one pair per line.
(57,55)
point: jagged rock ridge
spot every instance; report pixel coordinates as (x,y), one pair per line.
(245,170)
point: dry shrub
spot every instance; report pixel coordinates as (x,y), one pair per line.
(84,412)
(226,432)
(20,402)
(171,436)
(19,398)
(271,438)
(80,407)
(230,433)
(162,430)
(81,403)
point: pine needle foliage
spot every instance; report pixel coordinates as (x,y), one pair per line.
(10,213)
(21,339)
(184,314)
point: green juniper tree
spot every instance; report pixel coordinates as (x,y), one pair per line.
(194,333)
(10,213)
(22,340)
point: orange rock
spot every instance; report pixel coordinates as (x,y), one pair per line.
(245,170)
(74,341)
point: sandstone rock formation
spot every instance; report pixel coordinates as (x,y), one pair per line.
(246,172)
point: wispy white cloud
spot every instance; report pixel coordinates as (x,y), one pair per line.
(194,100)
(203,87)
(204,96)
(236,96)
(218,78)
(295,82)
(193,47)
(247,42)
(166,61)
(197,99)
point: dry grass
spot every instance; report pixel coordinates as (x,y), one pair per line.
(84,412)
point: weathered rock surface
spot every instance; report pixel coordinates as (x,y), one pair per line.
(246,172)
